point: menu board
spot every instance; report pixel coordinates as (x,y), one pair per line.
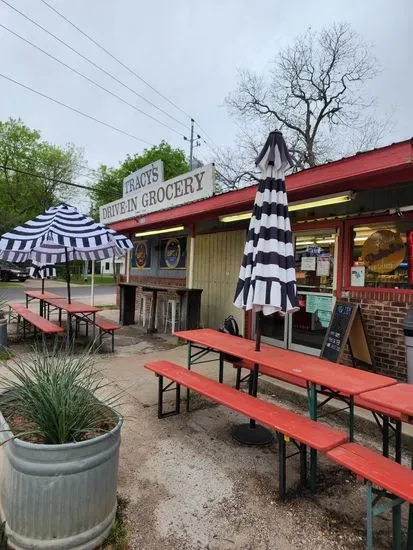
(346,326)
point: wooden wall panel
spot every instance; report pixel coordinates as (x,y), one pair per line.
(216,268)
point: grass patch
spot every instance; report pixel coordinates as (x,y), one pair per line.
(4,284)
(109,306)
(99,280)
(6,354)
(118,537)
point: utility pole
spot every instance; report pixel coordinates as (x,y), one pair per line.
(191,145)
(193,142)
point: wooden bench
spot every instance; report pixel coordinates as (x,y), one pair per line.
(19,311)
(378,412)
(383,478)
(104,325)
(289,425)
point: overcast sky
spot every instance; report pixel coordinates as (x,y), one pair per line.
(189,51)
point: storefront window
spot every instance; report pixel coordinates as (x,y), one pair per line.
(380,255)
(314,262)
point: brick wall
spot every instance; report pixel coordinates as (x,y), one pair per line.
(156,281)
(383,314)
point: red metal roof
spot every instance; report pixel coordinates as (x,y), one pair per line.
(367,170)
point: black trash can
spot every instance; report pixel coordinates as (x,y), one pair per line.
(408,337)
(127,303)
(190,308)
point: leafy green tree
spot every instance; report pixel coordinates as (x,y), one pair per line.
(109,184)
(23,196)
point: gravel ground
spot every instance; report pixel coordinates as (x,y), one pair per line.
(191,486)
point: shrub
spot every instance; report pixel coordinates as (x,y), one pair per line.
(57,397)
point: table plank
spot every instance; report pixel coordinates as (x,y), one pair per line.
(398,397)
(72,307)
(346,380)
(39,295)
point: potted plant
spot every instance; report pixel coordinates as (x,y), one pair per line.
(3,324)
(60,438)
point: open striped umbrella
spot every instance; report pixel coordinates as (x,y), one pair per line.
(59,235)
(267,280)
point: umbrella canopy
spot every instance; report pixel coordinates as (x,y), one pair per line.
(267,281)
(61,234)
(42,272)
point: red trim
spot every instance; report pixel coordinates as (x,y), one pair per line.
(372,169)
(348,246)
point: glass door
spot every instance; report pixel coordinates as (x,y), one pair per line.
(315,263)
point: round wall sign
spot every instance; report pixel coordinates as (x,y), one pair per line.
(172,253)
(141,255)
(383,251)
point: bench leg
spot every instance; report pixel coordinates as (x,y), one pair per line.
(386,436)
(369,516)
(303,464)
(282,466)
(313,453)
(161,391)
(113,341)
(188,394)
(397,527)
(398,441)
(221,368)
(238,378)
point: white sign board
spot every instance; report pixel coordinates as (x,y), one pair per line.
(190,187)
(144,177)
(308,263)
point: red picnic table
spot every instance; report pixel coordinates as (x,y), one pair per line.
(400,399)
(337,381)
(39,295)
(83,311)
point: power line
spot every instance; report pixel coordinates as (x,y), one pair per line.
(116,59)
(131,71)
(113,77)
(42,176)
(75,110)
(209,138)
(89,79)
(75,165)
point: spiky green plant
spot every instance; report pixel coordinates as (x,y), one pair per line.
(60,395)
(3,306)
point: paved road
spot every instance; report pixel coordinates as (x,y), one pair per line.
(16,293)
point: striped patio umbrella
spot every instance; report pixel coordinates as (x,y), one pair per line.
(59,235)
(267,280)
(42,272)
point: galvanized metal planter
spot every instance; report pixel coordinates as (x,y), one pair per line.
(58,496)
(3,333)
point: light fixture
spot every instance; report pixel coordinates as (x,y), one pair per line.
(326,201)
(304,243)
(235,217)
(160,231)
(299,205)
(325,241)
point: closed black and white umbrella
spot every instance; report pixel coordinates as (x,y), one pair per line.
(59,235)
(267,280)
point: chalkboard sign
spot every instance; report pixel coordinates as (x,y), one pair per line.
(346,326)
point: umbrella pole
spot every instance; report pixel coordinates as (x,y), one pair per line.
(67,276)
(42,285)
(251,434)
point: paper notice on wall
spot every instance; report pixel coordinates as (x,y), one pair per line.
(323,266)
(358,275)
(324,318)
(318,303)
(308,263)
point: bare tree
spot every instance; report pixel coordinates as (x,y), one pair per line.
(313,95)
